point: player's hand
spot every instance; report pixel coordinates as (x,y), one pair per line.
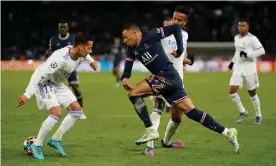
(175,54)
(126,85)
(94,65)
(191,58)
(230,66)
(242,53)
(22,100)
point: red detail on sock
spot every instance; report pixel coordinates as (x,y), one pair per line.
(203,117)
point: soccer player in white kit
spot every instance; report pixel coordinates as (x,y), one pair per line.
(248,49)
(180,17)
(47,85)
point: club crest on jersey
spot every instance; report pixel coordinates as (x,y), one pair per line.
(53,65)
(49,96)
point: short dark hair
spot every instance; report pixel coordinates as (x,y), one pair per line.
(242,19)
(81,38)
(131,26)
(182,9)
(63,22)
(167,19)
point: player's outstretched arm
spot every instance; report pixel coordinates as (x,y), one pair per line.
(127,70)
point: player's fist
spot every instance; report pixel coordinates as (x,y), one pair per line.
(175,53)
(22,100)
(230,66)
(242,53)
(192,59)
(126,85)
(94,65)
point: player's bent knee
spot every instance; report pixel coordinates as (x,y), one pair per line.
(233,89)
(56,111)
(176,116)
(74,106)
(185,106)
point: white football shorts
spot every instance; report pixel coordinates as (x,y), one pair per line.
(48,96)
(252,80)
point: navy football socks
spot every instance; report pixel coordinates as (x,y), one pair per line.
(205,119)
(141,109)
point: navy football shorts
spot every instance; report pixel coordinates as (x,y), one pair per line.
(168,85)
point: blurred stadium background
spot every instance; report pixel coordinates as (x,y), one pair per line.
(107,137)
(28,26)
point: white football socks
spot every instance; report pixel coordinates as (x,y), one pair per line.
(257,106)
(236,99)
(47,126)
(155,119)
(66,124)
(170,131)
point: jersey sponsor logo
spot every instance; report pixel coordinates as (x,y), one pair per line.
(53,65)
(147,58)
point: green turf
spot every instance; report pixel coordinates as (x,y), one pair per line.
(107,137)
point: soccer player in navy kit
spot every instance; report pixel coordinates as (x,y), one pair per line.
(117,51)
(63,39)
(165,81)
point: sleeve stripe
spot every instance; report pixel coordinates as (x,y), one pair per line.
(162,32)
(129,59)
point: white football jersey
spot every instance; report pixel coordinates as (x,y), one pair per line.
(248,44)
(169,44)
(55,70)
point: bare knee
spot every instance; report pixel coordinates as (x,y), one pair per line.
(56,111)
(75,106)
(233,89)
(185,106)
(176,115)
(131,93)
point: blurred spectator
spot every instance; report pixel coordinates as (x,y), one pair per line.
(28,26)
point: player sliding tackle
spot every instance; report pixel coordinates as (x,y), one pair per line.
(165,80)
(47,85)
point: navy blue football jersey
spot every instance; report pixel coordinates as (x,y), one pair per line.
(56,42)
(150,51)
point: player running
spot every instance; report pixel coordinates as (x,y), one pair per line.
(180,17)
(47,85)
(63,39)
(117,51)
(248,49)
(165,80)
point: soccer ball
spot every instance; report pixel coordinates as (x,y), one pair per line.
(27,145)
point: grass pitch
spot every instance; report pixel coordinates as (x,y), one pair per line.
(107,137)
